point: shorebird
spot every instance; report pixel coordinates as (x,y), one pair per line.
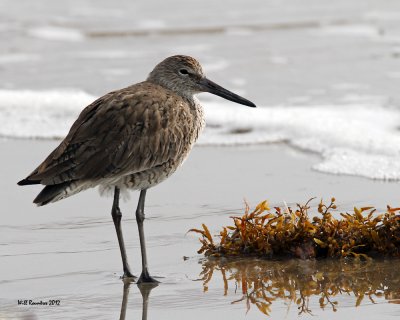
(132,138)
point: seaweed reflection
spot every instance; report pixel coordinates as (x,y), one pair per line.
(261,282)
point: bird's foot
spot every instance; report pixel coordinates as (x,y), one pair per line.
(128,276)
(145,278)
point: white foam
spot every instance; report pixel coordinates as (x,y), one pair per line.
(370,165)
(151,24)
(364,30)
(57,33)
(17,58)
(40,114)
(106,54)
(358,138)
(383,15)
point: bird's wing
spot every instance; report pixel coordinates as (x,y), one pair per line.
(123,132)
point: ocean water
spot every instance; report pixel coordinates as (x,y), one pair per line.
(325,76)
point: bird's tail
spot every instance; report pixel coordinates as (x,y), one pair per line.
(56,192)
(51,193)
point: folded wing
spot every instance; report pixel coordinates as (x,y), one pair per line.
(123,132)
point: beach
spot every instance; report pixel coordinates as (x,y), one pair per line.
(68,251)
(325,79)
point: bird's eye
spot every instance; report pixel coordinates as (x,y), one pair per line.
(184,72)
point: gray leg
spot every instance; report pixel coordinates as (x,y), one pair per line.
(145,276)
(116,215)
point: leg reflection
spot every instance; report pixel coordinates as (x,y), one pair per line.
(145,290)
(124,300)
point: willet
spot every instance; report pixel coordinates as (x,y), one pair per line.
(132,138)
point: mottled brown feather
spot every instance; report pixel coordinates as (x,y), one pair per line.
(124,132)
(133,138)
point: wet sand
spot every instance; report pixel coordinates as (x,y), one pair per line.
(68,251)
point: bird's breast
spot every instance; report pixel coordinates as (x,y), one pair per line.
(168,146)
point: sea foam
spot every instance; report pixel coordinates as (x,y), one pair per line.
(40,114)
(56,33)
(356,138)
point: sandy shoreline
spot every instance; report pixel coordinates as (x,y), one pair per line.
(68,250)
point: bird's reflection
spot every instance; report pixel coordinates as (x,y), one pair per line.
(144,289)
(260,283)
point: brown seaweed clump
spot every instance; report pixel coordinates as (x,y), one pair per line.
(291,232)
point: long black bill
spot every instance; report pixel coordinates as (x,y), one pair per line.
(212,87)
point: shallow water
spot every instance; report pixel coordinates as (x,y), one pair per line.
(68,251)
(270,286)
(238,289)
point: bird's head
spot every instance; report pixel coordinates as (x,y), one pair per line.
(184,75)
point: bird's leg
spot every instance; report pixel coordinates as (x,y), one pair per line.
(145,276)
(117,215)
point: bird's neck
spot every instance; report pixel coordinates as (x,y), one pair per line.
(174,87)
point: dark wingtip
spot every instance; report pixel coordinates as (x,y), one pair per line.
(26,182)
